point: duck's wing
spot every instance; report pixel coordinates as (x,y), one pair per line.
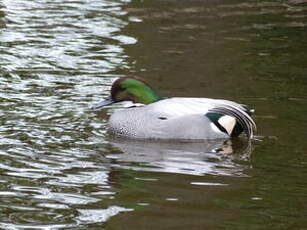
(177,107)
(174,107)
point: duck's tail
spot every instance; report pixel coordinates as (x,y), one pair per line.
(243,121)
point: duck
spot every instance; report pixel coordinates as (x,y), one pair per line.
(188,118)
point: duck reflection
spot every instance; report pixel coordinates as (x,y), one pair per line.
(215,157)
(2,15)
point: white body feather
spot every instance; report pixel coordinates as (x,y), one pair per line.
(173,118)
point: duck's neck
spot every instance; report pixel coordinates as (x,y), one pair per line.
(145,96)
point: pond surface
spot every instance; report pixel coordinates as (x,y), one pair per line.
(61,170)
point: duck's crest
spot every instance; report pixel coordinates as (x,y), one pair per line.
(133,88)
(116,84)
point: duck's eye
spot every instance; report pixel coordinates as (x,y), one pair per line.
(162,118)
(122,88)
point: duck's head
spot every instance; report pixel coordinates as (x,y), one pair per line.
(130,88)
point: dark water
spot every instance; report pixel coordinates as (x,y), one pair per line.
(60,170)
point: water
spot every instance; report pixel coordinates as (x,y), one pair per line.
(60,169)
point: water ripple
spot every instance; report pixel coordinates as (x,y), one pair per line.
(52,54)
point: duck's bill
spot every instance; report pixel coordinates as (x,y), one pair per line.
(103,103)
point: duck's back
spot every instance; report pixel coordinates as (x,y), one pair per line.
(174,118)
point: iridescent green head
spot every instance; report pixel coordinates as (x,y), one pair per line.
(130,88)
